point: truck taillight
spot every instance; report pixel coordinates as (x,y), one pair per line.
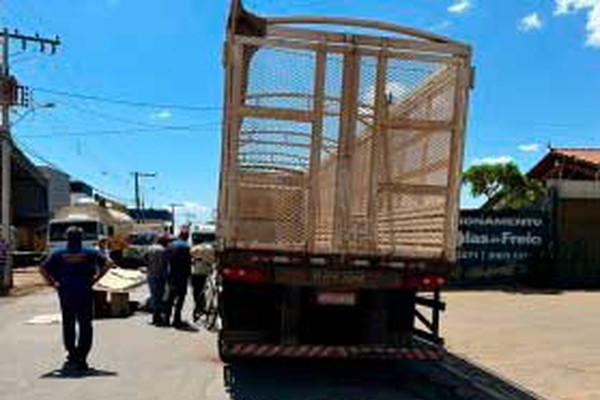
(249,275)
(428,282)
(431,282)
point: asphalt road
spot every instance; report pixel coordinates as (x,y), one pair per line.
(134,360)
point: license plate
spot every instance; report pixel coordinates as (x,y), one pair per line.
(336,298)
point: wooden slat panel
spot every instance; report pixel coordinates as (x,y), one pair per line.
(376,149)
(419,125)
(347,133)
(461,100)
(372,41)
(400,187)
(285,114)
(314,206)
(433,167)
(422,36)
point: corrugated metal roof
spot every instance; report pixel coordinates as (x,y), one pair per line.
(588,155)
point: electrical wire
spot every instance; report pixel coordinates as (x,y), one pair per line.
(32,153)
(124,102)
(185,129)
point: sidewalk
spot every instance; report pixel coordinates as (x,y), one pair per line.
(26,281)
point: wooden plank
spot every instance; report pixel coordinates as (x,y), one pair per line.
(421,226)
(314,207)
(375,161)
(371,41)
(332,142)
(235,121)
(283,44)
(285,114)
(409,188)
(419,125)
(222,219)
(386,173)
(347,132)
(426,37)
(461,101)
(274,143)
(429,168)
(271,186)
(418,218)
(427,139)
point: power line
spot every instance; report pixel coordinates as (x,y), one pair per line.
(124,102)
(27,149)
(130,131)
(111,117)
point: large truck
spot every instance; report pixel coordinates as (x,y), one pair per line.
(97,222)
(339,188)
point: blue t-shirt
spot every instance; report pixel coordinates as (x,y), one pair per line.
(74,270)
(180,259)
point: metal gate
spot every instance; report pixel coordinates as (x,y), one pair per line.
(342,143)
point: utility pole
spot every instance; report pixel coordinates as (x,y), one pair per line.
(11,95)
(137,175)
(173,207)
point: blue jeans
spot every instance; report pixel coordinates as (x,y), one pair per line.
(177,291)
(77,309)
(157,286)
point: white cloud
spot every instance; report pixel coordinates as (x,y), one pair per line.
(529,148)
(492,160)
(191,211)
(459,7)
(530,22)
(164,114)
(592,7)
(442,26)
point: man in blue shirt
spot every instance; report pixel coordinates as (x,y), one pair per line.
(72,272)
(180,269)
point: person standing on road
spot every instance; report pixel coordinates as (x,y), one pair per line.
(103,248)
(156,258)
(73,271)
(180,264)
(202,264)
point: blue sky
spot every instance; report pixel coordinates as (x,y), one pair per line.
(538,82)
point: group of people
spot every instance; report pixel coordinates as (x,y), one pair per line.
(74,270)
(170,269)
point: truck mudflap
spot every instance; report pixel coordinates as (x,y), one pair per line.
(254,350)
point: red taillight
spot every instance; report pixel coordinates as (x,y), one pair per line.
(250,275)
(431,282)
(420,282)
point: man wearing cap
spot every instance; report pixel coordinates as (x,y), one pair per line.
(72,272)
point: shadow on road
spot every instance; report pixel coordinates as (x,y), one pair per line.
(67,374)
(360,380)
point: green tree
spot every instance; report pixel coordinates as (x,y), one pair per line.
(503,185)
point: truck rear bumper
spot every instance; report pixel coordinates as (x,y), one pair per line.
(254,350)
(333,270)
